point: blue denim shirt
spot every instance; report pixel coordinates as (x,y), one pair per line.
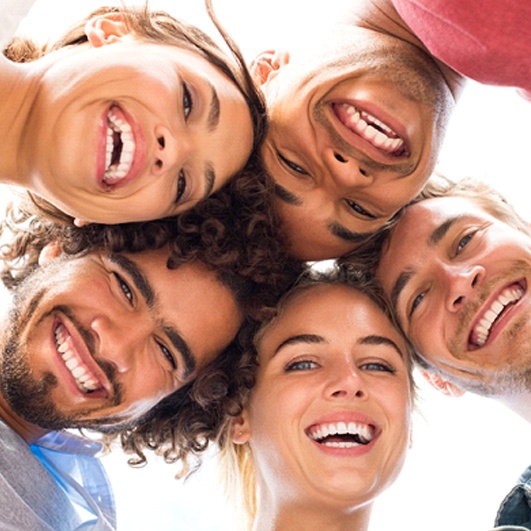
(73,463)
(515,510)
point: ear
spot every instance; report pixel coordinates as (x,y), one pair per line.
(81,222)
(49,253)
(106,29)
(444,386)
(241,429)
(266,65)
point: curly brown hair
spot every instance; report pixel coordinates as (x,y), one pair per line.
(160,27)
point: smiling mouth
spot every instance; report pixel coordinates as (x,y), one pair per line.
(506,299)
(85,380)
(119,147)
(342,434)
(371,129)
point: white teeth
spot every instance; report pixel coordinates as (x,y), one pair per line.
(81,374)
(120,168)
(373,130)
(482,329)
(364,434)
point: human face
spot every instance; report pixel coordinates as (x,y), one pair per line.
(353,137)
(98,340)
(458,278)
(330,362)
(134,131)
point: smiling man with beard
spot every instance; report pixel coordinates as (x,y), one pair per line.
(457,270)
(107,329)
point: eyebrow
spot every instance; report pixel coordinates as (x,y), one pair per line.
(210,179)
(214,110)
(433,240)
(337,230)
(143,285)
(300,338)
(381,340)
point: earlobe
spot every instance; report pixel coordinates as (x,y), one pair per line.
(240,429)
(106,29)
(444,386)
(267,64)
(49,253)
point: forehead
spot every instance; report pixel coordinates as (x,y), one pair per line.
(333,311)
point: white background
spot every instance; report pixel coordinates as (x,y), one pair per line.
(467,452)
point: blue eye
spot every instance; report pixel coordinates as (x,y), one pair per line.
(301,365)
(378,367)
(188,103)
(291,165)
(166,352)
(124,287)
(464,241)
(416,301)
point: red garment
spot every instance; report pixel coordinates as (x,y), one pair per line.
(488,41)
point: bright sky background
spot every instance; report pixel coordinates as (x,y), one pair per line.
(467,452)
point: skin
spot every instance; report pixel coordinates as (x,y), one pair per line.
(442,286)
(314,369)
(334,185)
(141,329)
(57,114)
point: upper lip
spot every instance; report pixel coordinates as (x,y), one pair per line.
(70,346)
(382,121)
(490,312)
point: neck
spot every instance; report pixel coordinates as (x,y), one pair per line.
(381,16)
(17,93)
(29,432)
(520,404)
(281,515)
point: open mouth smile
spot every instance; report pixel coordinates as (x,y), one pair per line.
(342,434)
(483,328)
(85,380)
(120,147)
(371,129)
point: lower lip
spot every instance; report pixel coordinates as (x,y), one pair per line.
(139,159)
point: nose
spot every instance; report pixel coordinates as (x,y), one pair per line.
(119,339)
(346,172)
(345,383)
(172,150)
(462,281)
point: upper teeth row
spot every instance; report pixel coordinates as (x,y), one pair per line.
(83,377)
(507,296)
(382,136)
(120,169)
(342,428)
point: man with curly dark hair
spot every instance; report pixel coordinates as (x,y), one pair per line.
(110,324)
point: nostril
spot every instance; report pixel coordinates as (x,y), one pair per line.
(475,280)
(158,163)
(161,141)
(458,300)
(363,172)
(340,158)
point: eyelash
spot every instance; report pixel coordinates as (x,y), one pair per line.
(291,165)
(306,365)
(378,367)
(188,102)
(181,186)
(359,209)
(166,352)
(125,288)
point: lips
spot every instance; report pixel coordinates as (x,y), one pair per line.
(85,379)
(122,149)
(486,323)
(378,134)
